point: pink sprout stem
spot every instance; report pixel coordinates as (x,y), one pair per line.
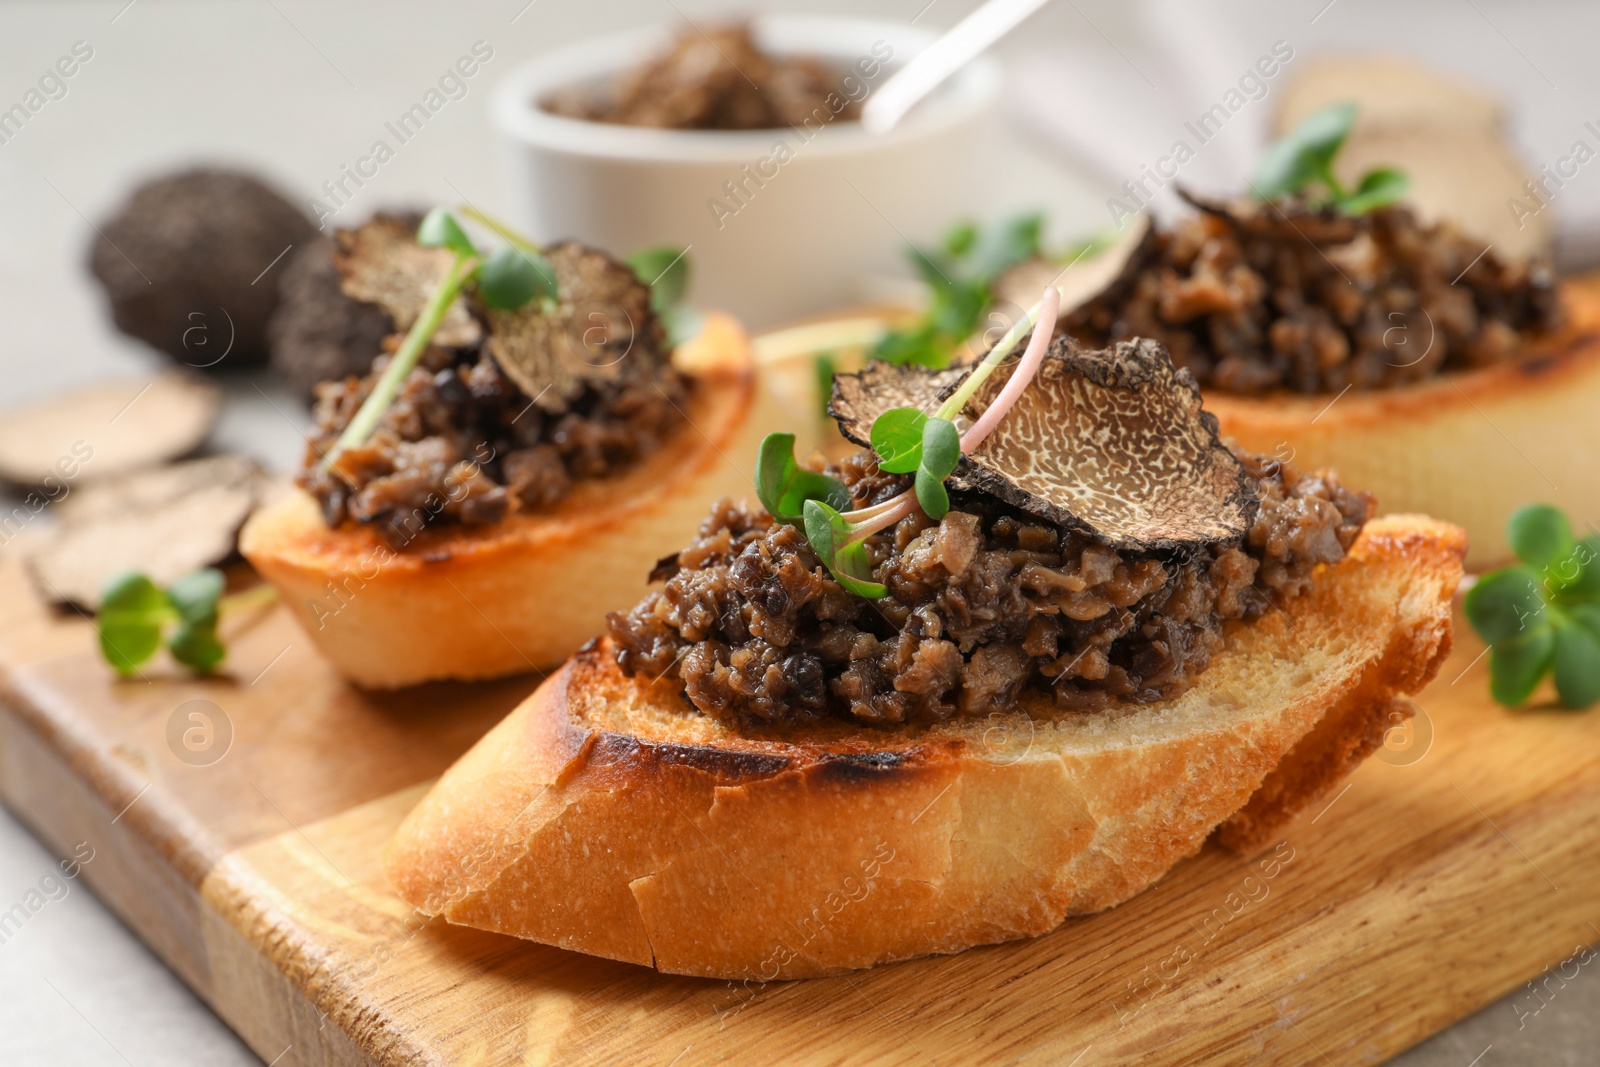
(862,514)
(902,505)
(1024,374)
(884,515)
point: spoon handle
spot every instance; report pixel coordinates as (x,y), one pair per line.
(952,51)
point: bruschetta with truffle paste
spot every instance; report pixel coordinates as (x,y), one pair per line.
(1333,326)
(1035,642)
(510,470)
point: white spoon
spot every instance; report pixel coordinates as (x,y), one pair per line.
(928,70)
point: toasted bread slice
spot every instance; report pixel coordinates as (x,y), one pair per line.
(607,816)
(1469,447)
(480,602)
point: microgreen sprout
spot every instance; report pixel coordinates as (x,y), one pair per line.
(509,278)
(960,276)
(1304,157)
(665,269)
(907,441)
(137,617)
(1542,616)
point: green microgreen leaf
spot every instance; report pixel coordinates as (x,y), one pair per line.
(956,311)
(960,277)
(197,598)
(1304,157)
(784,486)
(1587,616)
(1379,187)
(1540,535)
(440,229)
(941,447)
(1305,154)
(853,570)
(1543,615)
(1576,578)
(920,345)
(1505,604)
(511,277)
(959,241)
(931,269)
(931,494)
(195,644)
(941,451)
(1576,663)
(1012,242)
(897,439)
(665,269)
(829,533)
(1517,665)
(824,368)
(133,611)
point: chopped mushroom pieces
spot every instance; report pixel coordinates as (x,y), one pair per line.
(1094,554)
(718,79)
(1256,297)
(506,412)
(986,603)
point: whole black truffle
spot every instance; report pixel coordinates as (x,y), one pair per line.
(182,263)
(318,334)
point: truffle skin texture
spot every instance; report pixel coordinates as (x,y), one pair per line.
(1112,442)
(178,259)
(318,334)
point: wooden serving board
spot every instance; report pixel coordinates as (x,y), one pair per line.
(1427,888)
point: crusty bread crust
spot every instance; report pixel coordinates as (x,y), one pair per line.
(521,594)
(1467,447)
(605,816)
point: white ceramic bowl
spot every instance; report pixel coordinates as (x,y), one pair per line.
(808,220)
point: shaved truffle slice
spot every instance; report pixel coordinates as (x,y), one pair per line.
(859,398)
(1111,442)
(107,430)
(381,263)
(157,486)
(601,330)
(165,522)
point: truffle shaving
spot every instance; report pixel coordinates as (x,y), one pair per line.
(859,398)
(602,329)
(1113,442)
(107,430)
(1110,442)
(381,263)
(166,522)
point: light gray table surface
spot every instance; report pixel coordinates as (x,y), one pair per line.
(293,89)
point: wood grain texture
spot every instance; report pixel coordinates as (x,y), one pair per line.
(1426,889)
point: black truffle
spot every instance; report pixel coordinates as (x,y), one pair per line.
(183,264)
(318,333)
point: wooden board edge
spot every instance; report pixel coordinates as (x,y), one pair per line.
(149,896)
